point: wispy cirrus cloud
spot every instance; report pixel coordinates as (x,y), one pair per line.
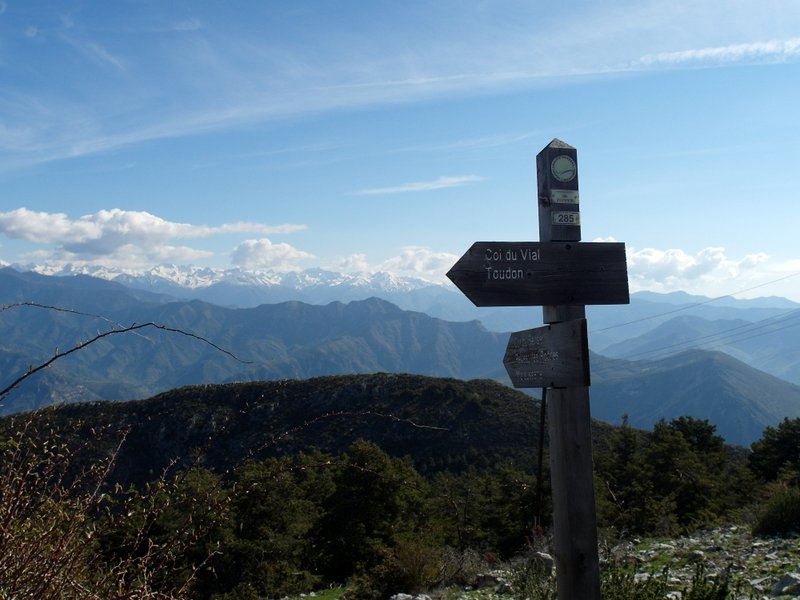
(174,75)
(100,53)
(422,186)
(772,50)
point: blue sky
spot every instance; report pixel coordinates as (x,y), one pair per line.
(389,136)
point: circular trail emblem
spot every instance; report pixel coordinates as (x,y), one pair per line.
(563,168)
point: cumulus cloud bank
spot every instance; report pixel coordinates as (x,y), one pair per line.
(675,269)
(420,262)
(112,235)
(413,261)
(254,255)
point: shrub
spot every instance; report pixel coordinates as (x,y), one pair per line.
(54,519)
(706,588)
(46,537)
(460,567)
(780,514)
(778,451)
(531,578)
(619,582)
(416,563)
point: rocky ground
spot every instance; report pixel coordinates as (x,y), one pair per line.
(758,568)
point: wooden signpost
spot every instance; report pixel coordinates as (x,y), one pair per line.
(561,274)
(541,273)
(555,355)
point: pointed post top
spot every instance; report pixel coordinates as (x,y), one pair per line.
(557,176)
(557,143)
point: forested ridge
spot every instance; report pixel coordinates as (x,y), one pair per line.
(384,482)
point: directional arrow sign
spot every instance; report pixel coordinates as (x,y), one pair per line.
(556,355)
(543,273)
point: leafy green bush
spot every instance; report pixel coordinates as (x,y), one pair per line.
(780,514)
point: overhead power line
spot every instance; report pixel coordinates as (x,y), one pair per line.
(696,304)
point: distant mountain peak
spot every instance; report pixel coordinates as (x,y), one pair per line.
(193,277)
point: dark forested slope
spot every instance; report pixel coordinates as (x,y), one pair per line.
(442,424)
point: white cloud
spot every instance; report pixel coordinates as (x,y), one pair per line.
(413,261)
(423,186)
(130,239)
(773,50)
(263,254)
(355,262)
(108,230)
(244,227)
(173,255)
(674,269)
(420,262)
(129,257)
(39,227)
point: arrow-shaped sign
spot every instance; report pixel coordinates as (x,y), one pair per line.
(543,273)
(556,355)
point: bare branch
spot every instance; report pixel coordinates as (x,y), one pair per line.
(100,336)
(6,307)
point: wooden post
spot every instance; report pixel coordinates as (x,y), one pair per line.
(562,275)
(574,516)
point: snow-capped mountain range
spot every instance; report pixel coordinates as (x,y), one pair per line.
(242,289)
(615,327)
(193,277)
